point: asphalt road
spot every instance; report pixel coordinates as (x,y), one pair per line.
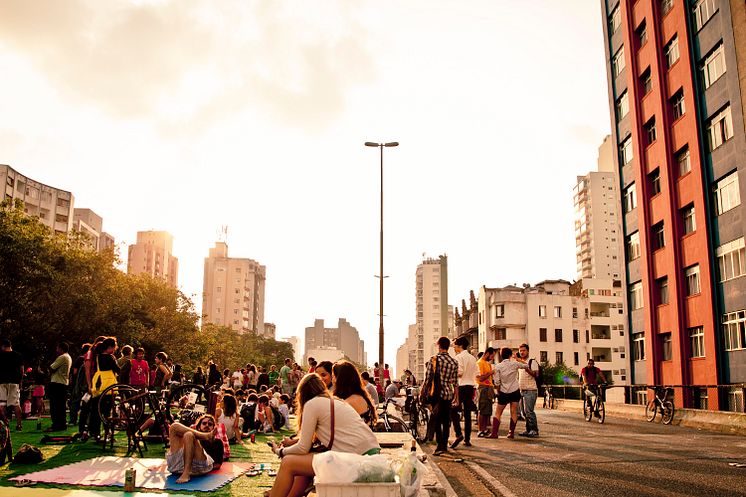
(619,458)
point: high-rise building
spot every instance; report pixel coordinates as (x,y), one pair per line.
(677,92)
(53,207)
(295,342)
(91,224)
(233,291)
(598,229)
(406,354)
(270,330)
(344,338)
(431,297)
(152,254)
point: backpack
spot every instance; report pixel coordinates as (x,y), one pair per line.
(247,413)
(28,454)
(539,379)
(279,420)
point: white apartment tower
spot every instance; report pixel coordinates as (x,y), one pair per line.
(431,296)
(344,338)
(91,224)
(598,229)
(233,291)
(153,255)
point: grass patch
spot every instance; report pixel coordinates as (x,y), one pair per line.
(60,455)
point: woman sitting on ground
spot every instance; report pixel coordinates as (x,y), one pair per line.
(314,405)
(228,415)
(348,386)
(324,370)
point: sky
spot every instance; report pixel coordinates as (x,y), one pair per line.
(187,116)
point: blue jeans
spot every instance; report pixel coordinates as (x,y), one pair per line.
(529,403)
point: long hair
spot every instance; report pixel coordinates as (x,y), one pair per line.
(311,386)
(199,420)
(326,366)
(229,405)
(348,382)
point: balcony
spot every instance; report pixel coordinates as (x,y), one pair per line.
(601,354)
(599,332)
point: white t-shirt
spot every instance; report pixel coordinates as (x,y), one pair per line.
(467,368)
(237,379)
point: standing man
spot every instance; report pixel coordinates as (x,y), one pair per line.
(529,391)
(485,391)
(441,386)
(60,369)
(285,373)
(11,374)
(467,374)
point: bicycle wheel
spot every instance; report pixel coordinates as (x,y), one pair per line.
(667,412)
(119,405)
(651,410)
(187,397)
(395,424)
(601,412)
(588,410)
(419,426)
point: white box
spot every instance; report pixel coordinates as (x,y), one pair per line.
(358,489)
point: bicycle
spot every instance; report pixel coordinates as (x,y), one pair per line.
(660,402)
(594,406)
(419,415)
(548,398)
(391,422)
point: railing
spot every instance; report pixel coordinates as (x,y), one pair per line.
(730,398)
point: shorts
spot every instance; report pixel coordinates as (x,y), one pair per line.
(484,403)
(10,394)
(507,398)
(175,463)
(287,388)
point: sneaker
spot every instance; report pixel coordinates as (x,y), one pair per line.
(467,444)
(533,434)
(440,452)
(458,440)
(525,434)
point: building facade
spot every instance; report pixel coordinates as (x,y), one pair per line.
(344,338)
(153,255)
(53,206)
(406,354)
(90,224)
(677,72)
(431,298)
(295,342)
(270,330)
(233,291)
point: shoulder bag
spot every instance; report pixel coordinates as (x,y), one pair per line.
(317,445)
(102,380)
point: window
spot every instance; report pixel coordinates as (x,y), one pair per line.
(625,151)
(662,285)
(666,6)
(734,330)
(542,311)
(714,66)
(727,194)
(543,356)
(575,336)
(501,334)
(618,62)
(672,51)
(646,81)
(615,20)
(731,259)
(687,216)
(622,106)
(720,128)
(697,341)
(654,179)
(692,280)
(630,198)
(650,131)
(659,236)
(575,313)
(666,352)
(558,335)
(635,296)
(542,334)
(677,104)
(557,311)
(220,289)
(642,34)
(559,358)
(633,246)
(684,160)
(499,311)
(638,346)
(703,10)
(576,358)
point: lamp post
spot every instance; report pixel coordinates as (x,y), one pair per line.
(381,276)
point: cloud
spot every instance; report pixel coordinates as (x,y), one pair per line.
(194,62)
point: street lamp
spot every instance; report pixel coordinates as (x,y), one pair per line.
(381,276)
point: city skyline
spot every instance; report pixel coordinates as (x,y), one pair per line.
(255,118)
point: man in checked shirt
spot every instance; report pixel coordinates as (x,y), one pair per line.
(441,387)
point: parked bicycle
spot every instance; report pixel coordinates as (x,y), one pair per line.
(594,403)
(660,402)
(418,418)
(419,414)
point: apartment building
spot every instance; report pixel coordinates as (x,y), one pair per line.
(91,224)
(432,319)
(322,341)
(406,354)
(677,75)
(53,206)
(152,254)
(233,291)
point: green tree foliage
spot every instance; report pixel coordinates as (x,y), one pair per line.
(54,287)
(558,374)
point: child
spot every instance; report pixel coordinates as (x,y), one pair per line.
(284,410)
(37,393)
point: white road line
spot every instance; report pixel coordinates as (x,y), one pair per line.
(490,479)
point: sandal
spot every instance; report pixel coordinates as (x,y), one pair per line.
(253,472)
(272,472)
(24,483)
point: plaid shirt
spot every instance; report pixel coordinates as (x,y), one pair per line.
(447,372)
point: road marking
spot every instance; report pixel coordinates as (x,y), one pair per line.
(483,474)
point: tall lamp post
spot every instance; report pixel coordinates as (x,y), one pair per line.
(381,276)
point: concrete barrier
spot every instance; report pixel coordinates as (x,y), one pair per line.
(720,421)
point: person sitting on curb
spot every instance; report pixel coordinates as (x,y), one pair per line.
(194,451)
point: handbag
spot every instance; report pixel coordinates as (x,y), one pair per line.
(102,380)
(317,445)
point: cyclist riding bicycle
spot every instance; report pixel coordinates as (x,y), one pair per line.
(590,375)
